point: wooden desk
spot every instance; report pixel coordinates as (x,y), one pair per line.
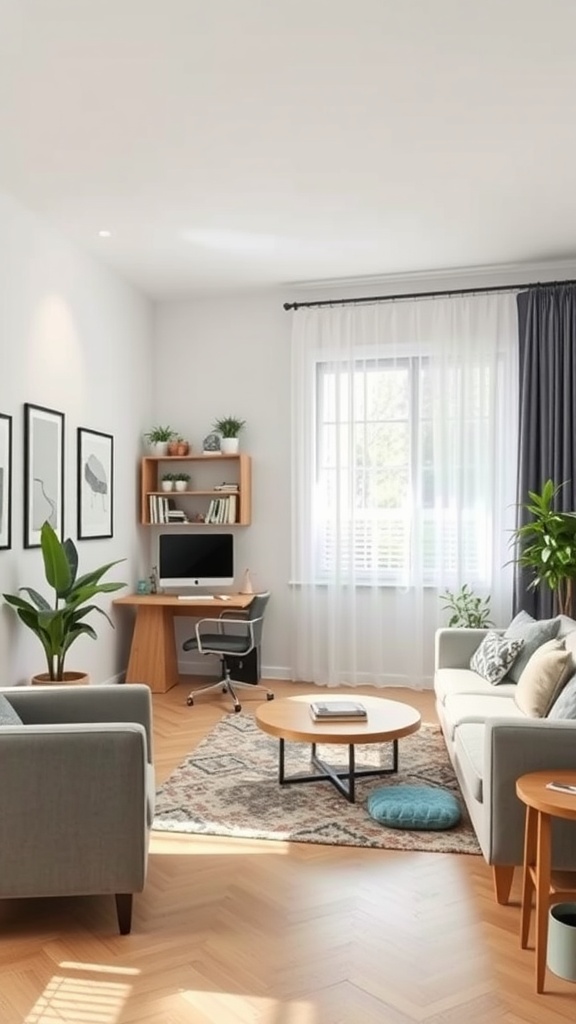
(551,886)
(153,658)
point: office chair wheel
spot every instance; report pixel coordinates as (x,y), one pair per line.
(269,696)
(190,701)
(237,708)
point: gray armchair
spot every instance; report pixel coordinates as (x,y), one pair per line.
(77,793)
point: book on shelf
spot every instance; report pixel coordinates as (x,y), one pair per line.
(343,710)
(226,487)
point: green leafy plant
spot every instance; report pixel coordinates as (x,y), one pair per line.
(229,426)
(467,608)
(158,435)
(59,624)
(170,476)
(181,476)
(546,545)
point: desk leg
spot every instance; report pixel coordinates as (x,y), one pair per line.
(527,883)
(543,869)
(153,651)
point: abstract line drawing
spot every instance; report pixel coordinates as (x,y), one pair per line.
(5,481)
(43,472)
(95,464)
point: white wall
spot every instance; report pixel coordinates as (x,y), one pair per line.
(75,338)
(229,354)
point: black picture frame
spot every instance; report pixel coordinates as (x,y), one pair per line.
(95,484)
(5,481)
(43,472)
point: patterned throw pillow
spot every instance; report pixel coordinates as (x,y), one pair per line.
(494,657)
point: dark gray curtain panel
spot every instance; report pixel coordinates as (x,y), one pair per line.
(547,394)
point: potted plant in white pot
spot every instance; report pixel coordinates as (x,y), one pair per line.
(181,481)
(158,439)
(59,624)
(229,428)
(167,482)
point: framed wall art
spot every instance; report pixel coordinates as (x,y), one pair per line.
(5,481)
(43,472)
(95,469)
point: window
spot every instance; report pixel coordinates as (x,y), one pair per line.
(398,471)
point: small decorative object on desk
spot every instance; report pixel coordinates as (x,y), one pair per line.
(247,587)
(154,580)
(343,710)
(211,444)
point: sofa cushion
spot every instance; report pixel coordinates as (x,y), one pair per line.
(565,704)
(545,674)
(567,625)
(448,681)
(534,633)
(495,656)
(469,752)
(7,714)
(477,708)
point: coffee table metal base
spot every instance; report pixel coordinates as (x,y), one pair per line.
(344,781)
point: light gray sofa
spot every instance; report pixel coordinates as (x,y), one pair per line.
(491,743)
(77,793)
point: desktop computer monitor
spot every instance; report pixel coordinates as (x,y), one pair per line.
(196,560)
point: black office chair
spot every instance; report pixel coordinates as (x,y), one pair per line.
(235,638)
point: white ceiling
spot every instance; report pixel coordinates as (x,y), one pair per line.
(234,143)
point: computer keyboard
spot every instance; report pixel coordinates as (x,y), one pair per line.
(196,597)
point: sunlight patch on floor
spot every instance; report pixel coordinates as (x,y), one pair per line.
(82,1000)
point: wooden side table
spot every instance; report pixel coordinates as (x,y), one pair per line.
(551,887)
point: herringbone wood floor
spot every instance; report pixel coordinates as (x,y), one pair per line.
(231,932)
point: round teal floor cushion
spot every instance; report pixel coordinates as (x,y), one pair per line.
(414,807)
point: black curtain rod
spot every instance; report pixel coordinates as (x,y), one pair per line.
(427,295)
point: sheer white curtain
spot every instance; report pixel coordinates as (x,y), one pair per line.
(404,450)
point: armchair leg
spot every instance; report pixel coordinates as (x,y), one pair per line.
(503,876)
(124,911)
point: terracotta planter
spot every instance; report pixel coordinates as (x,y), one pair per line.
(70,679)
(183,448)
(173,448)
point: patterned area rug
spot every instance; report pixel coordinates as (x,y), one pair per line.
(229,786)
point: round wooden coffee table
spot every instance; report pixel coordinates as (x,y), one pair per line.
(290,719)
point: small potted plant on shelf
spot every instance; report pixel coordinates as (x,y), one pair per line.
(181,481)
(229,428)
(167,482)
(59,624)
(158,439)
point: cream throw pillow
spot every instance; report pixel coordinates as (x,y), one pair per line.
(547,671)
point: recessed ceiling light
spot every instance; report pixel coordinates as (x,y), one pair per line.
(105,234)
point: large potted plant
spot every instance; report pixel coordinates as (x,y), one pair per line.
(546,546)
(229,427)
(58,624)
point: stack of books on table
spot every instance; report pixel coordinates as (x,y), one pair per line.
(338,711)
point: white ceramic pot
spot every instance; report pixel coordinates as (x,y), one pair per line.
(167,485)
(229,445)
(159,448)
(181,485)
